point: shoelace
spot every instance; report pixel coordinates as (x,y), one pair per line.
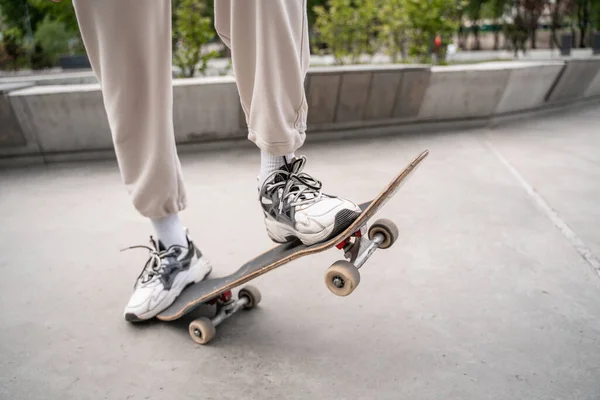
(155,266)
(296,186)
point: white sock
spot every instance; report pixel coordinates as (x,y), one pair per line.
(170,231)
(270,163)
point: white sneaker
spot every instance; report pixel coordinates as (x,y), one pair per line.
(166,273)
(295,208)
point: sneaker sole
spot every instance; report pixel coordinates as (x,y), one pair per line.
(343,220)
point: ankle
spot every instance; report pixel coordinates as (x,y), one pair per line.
(270,163)
(170,231)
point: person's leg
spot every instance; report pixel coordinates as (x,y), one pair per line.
(129,47)
(128,43)
(270,53)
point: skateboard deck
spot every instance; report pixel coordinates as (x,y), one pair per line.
(208,289)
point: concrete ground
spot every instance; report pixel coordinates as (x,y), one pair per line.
(491,293)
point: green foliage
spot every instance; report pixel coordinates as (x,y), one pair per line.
(12,49)
(495,9)
(15,13)
(394,29)
(347,28)
(596,14)
(473,10)
(312,15)
(62,12)
(209,11)
(428,19)
(517,34)
(53,39)
(46,30)
(193,30)
(586,12)
(400,27)
(39,58)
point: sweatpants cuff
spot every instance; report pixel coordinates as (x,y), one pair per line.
(278,148)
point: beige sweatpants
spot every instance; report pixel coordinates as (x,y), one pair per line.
(129,46)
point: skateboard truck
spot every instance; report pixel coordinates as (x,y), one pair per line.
(359,250)
(343,276)
(202,330)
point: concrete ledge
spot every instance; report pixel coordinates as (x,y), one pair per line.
(56,123)
(459,92)
(206,108)
(51,79)
(545,110)
(594,88)
(63,118)
(364,93)
(10,129)
(348,131)
(72,118)
(574,80)
(528,85)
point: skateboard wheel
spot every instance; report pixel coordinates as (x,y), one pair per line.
(202,330)
(342,278)
(252,294)
(388,229)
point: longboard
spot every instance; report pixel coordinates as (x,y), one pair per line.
(215,288)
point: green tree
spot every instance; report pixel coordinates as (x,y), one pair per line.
(22,14)
(596,14)
(314,37)
(13,49)
(39,58)
(394,28)
(430,18)
(53,38)
(62,12)
(209,11)
(27,16)
(312,15)
(473,10)
(584,15)
(193,29)
(347,28)
(516,33)
(559,10)
(533,10)
(496,10)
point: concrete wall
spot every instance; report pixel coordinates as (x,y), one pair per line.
(51,121)
(206,108)
(594,88)
(72,118)
(528,85)
(63,118)
(10,129)
(574,80)
(359,94)
(51,79)
(459,92)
